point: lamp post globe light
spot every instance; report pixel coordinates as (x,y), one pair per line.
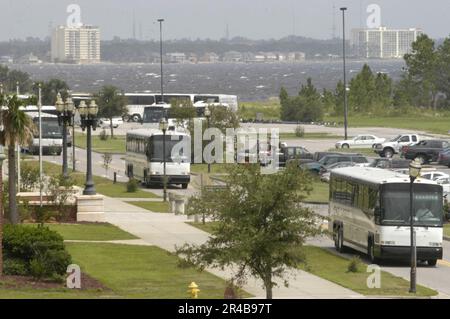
(208,117)
(88,115)
(65,112)
(163,126)
(414,172)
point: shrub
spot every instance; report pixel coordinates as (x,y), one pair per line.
(132,185)
(29,178)
(15,267)
(354,265)
(103,135)
(38,250)
(299,131)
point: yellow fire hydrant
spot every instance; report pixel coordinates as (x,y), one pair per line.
(193,290)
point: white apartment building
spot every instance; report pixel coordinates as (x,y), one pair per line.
(79,44)
(383,43)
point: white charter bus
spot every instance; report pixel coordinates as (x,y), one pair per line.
(370,212)
(52,138)
(154,106)
(145,159)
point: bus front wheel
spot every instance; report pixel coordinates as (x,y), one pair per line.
(184,186)
(371,252)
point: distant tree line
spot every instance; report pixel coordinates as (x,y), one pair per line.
(425,85)
(129,50)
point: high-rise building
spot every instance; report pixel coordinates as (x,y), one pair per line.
(79,44)
(383,43)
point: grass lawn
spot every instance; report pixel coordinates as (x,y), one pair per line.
(103,185)
(156,207)
(207,227)
(447,230)
(111,145)
(363,151)
(320,193)
(143,272)
(329,266)
(130,272)
(95,232)
(422,122)
(270,109)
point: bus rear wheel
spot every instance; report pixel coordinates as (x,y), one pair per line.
(432,262)
(339,240)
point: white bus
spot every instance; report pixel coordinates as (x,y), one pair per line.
(369,211)
(51,141)
(145,159)
(138,102)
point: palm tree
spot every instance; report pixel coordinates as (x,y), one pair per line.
(18,128)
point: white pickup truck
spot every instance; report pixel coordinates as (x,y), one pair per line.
(394,146)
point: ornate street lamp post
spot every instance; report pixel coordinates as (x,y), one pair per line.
(65,118)
(88,115)
(208,117)
(163,126)
(343,9)
(414,172)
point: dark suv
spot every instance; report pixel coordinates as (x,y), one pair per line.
(425,151)
(289,153)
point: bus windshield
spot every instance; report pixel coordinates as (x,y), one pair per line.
(50,128)
(427,205)
(154,114)
(177,148)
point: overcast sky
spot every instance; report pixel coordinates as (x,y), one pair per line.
(256,19)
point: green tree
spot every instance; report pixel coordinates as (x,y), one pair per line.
(443,75)
(312,109)
(362,91)
(261,227)
(383,90)
(422,65)
(18,129)
(18,77)
(339,99)
(111,103)
(51,89)
(328,101)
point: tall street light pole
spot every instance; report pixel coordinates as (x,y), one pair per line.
(88,116)
(414,172)
(163,126)
(161,56)
(40,144)
(343,9)
(65,112)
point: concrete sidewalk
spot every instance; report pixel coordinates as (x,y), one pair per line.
(167,230)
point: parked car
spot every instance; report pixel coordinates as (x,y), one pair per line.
(445,183)
(318,155)
(325,176)
(360,141)
(434,175)
(393,146)
(390,163)
(425,151)
(116,121)
(312,167)
(289,153)
(444,157)
(332,159)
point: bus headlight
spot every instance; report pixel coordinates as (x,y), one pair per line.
(155,173)
(435,244)
(388,243)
